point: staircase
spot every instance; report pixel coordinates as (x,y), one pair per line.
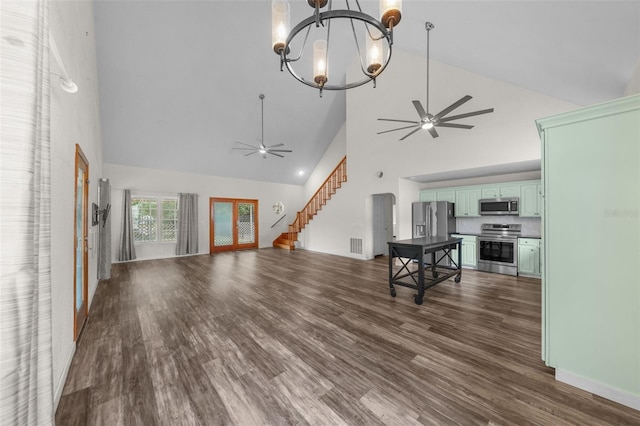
(287,240)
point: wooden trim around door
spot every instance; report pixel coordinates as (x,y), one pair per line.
(80,316)
(235,245)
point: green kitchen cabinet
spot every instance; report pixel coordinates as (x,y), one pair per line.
(531,200)
(500,191)
(438,195)
(469,251)
(427,195)
(467,202)
(529,257)
(591,241)
(444,195)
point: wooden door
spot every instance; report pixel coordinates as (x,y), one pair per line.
(233,224)
(80,288)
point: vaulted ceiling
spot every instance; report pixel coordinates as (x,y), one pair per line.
(179,80)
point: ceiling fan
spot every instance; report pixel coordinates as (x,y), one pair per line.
(262,148)
(430,121)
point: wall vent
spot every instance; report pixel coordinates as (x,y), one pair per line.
(356,245)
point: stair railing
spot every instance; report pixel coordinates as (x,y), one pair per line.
(319,199)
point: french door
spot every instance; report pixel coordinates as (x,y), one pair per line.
(233,224)
(80,289)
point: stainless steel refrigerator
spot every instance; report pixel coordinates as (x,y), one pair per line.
(433,219)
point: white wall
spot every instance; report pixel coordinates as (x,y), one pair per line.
(633,87)
(74,120)
(506,136)
(162,182)
(330,159)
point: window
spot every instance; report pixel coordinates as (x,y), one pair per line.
(154,219)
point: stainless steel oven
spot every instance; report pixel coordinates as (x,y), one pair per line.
(498,248)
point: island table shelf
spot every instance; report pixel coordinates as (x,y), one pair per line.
(412,263)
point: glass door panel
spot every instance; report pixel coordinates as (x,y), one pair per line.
(234,224)
(223,220)
(79,239)
(246,224)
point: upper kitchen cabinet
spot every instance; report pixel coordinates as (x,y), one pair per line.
(445,195)
(467,202)
(531,200)
(591,236)
(500,191)
(427,195)
(438,195)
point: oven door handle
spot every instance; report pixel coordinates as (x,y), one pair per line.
(499,240)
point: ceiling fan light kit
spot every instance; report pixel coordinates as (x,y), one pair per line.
(429,121)
(377,33)
(262,148)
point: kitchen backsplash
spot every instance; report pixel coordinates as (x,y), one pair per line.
(531,226)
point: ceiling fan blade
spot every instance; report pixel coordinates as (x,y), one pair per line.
(468,114)
(246,149)
(421,112)
(433,132)
(251,153)
(279,150)
(252,146)
(410,133)
(451,107)
(273,153)
(393,130)
(398,121)
(457,126)
(276,145)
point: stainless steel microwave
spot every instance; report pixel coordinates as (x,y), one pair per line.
(499,206)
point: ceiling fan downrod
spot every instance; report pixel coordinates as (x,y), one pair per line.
(262,148)
(428,26)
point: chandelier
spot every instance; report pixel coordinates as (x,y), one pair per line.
(376,39)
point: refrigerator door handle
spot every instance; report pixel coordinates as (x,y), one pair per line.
(428,219)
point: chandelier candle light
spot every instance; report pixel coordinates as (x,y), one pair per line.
(377,33)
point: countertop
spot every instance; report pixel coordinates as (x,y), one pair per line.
(477,235)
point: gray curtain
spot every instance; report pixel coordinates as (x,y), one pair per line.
(26,378)
(126,250)
(187,238)
(104,230)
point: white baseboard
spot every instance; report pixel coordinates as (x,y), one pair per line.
(63,379)
(600,389)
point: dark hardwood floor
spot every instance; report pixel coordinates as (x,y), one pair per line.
(276,337)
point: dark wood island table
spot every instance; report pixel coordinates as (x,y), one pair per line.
(423,270)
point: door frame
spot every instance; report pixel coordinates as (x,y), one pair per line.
(235,245)
(80,315)
(383,209)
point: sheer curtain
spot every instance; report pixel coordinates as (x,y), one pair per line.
(187,236)
(26,378)
(126,250)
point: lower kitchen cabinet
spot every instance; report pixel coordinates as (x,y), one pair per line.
(469,251)
(529,260)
